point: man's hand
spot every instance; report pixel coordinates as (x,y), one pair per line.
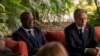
(92,51)
(98,54)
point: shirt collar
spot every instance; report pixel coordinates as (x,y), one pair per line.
(27,29)
(78,27)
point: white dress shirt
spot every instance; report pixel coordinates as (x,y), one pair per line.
(32,31)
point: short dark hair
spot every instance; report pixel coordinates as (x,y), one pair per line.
(78,11)
(24,15)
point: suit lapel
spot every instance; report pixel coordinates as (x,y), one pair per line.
(75,34)
(36,35)
(85,35)
(24,32)
(25,36)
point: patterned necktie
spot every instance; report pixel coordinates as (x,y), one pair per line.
(32,38)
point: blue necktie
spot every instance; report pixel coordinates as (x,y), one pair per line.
(32,39)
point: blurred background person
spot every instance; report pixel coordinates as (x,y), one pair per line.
(4,51)
(52,49)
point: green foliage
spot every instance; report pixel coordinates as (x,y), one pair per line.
(2,9)
(10,11)
(4,29)
(10,17)
(95,18)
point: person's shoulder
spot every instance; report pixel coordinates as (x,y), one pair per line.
(37,29)
(90,26)
(70,26)
(17,31)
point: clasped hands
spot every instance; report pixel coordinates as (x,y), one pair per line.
(93,51)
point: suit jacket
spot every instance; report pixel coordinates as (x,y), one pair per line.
(20,34)
(75,45)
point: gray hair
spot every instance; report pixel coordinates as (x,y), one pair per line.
(79,11)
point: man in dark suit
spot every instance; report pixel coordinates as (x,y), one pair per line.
(33,36)
(80,36)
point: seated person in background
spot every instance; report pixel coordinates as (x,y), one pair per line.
(52,49)
(32,35)
(3,50)
(80,36)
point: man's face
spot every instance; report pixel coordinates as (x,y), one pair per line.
(28,23)
(81,20)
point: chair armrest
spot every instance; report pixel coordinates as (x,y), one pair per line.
(23,48)
(17,46)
